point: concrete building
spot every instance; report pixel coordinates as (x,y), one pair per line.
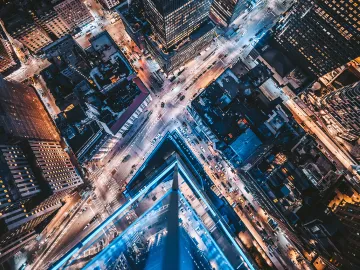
(73,12)
(36,176)
(119,124)
(320,35)
(24,29)
(225,12)
(184,51)
(36,173)
(22,114)
(109,4)
(7,57)
(69,57)
(53,166)
(51,22)
(173,39)
(343,107)
(134,22)
(349,215)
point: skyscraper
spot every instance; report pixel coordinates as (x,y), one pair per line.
(343,106)
(172,21)
(22,115)
(321,35)
(180,29)
(35,176)
(169,221)
(349,215)
(226,11)
(35,171)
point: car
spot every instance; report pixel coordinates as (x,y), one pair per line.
(159,117)
(182,97)
(162,104)
(223,169)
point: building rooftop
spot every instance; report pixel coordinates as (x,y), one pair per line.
(106,47)
(278,60)
(132,19)
(144,93)
(246,144)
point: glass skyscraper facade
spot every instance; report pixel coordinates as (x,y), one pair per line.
(174,20)
(321,35)
(180,29)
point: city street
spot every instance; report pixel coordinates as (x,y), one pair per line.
(197,74)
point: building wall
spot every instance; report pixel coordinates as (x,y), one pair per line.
(166,18)
(18,183)
(32,36)
(181,56)
(17,228)
(134,116)
(343,106)
(110,3)
(8,248)
(43,175)
(55,165)
(226,11)
(321,35)
(53,23)
(349,215)
(6,58)
(74,13)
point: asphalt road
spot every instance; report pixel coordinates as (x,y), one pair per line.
(195,77)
